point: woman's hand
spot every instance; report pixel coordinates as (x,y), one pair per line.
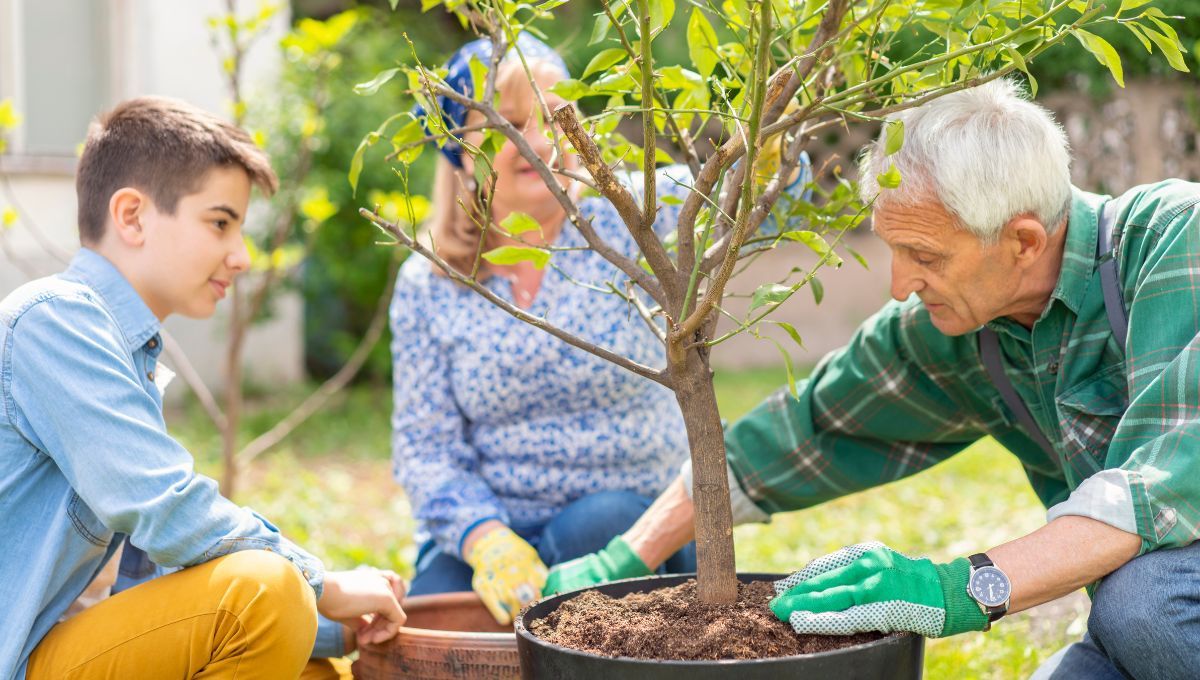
(365,600)
(508,572)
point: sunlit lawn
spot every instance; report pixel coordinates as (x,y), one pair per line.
(330,488)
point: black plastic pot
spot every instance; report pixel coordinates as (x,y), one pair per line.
(896,657)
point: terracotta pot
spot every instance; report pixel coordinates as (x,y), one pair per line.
(895,657)
(447,637)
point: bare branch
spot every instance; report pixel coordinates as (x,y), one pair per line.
(184,369)
(315,401)
(612,189)
(658,376)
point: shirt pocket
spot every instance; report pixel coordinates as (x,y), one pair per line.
(1088,415)
(86,522)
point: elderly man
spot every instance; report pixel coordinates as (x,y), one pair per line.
(1014,317)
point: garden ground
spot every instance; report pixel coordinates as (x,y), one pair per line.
(329,487)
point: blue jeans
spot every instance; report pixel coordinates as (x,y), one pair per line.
(1145,623)
(583,527)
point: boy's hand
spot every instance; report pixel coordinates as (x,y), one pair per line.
(508,572)
(615,562)
(869,587)
(366,600)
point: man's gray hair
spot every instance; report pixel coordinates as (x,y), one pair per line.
(987,154)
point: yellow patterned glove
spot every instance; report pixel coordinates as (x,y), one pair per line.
(508,573)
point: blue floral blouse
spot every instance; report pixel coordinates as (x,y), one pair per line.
(496,419)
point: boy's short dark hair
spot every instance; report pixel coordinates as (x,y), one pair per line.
(164,147)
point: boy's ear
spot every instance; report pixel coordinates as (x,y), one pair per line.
(125,210)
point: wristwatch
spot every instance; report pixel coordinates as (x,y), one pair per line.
(989,587)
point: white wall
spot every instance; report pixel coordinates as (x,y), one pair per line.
(154,47)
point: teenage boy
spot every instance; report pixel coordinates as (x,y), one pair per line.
(85,458)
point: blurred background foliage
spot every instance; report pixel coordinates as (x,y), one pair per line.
(344,276)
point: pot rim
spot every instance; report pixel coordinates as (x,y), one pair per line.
(434,600)
(896,638)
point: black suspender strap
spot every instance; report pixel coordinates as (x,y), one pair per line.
(989,349)
(1114,305)
(1106,256)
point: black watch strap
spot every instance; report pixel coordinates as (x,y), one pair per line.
(979,560)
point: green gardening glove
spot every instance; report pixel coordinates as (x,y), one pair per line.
(615,562)
(869,587)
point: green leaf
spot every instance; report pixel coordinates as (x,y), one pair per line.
(1168,48)
(678,77)
(1137,33)
(372,86)
(670,200)
(818,289)
(791,330)
(515,254)
(409,133)
(1104,53)
(769,293)
(356,163)
(787,361)
(816,243)
(600,29)
(1015,54)
(895,137)
(857,257)
(570,89)
(661,12)
(702,43)
(479,72)
(519,223)
(890,179)
(603,60)
(1127,5)
(394,3)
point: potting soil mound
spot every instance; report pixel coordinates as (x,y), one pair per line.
(670,623)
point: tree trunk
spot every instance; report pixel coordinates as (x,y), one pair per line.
(233,398)
(716,576)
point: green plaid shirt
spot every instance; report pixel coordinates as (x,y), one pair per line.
(902,396)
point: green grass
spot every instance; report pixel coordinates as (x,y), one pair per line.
(329,487)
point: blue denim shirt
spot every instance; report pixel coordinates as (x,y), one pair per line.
(85,458)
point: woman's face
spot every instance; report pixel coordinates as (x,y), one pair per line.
(518,185)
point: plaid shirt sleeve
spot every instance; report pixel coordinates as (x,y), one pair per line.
(890,404)
(1151,481)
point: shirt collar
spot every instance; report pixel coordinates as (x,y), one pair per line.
(1079,249)
(1078,262)
(135,319)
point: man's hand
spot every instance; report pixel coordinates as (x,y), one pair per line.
(508,572)
(869,586)
(617,561)
(365,600)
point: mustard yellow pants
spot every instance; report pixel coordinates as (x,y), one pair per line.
(247,615)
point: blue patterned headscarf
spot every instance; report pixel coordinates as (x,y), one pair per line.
(458,77)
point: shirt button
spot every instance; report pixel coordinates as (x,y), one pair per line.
(150,375)
(153,344)
(1053,367)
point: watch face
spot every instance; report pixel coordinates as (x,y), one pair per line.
(989,586)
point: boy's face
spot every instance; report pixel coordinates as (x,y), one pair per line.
(194,255)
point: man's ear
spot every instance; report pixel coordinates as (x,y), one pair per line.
(1029,239)
(125,210)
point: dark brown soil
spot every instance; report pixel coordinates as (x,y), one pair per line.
(670,623)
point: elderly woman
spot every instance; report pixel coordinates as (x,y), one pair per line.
(517,450)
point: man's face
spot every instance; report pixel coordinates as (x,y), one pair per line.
(962,283)
(195,254)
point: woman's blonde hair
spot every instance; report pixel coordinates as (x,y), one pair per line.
(456,219)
